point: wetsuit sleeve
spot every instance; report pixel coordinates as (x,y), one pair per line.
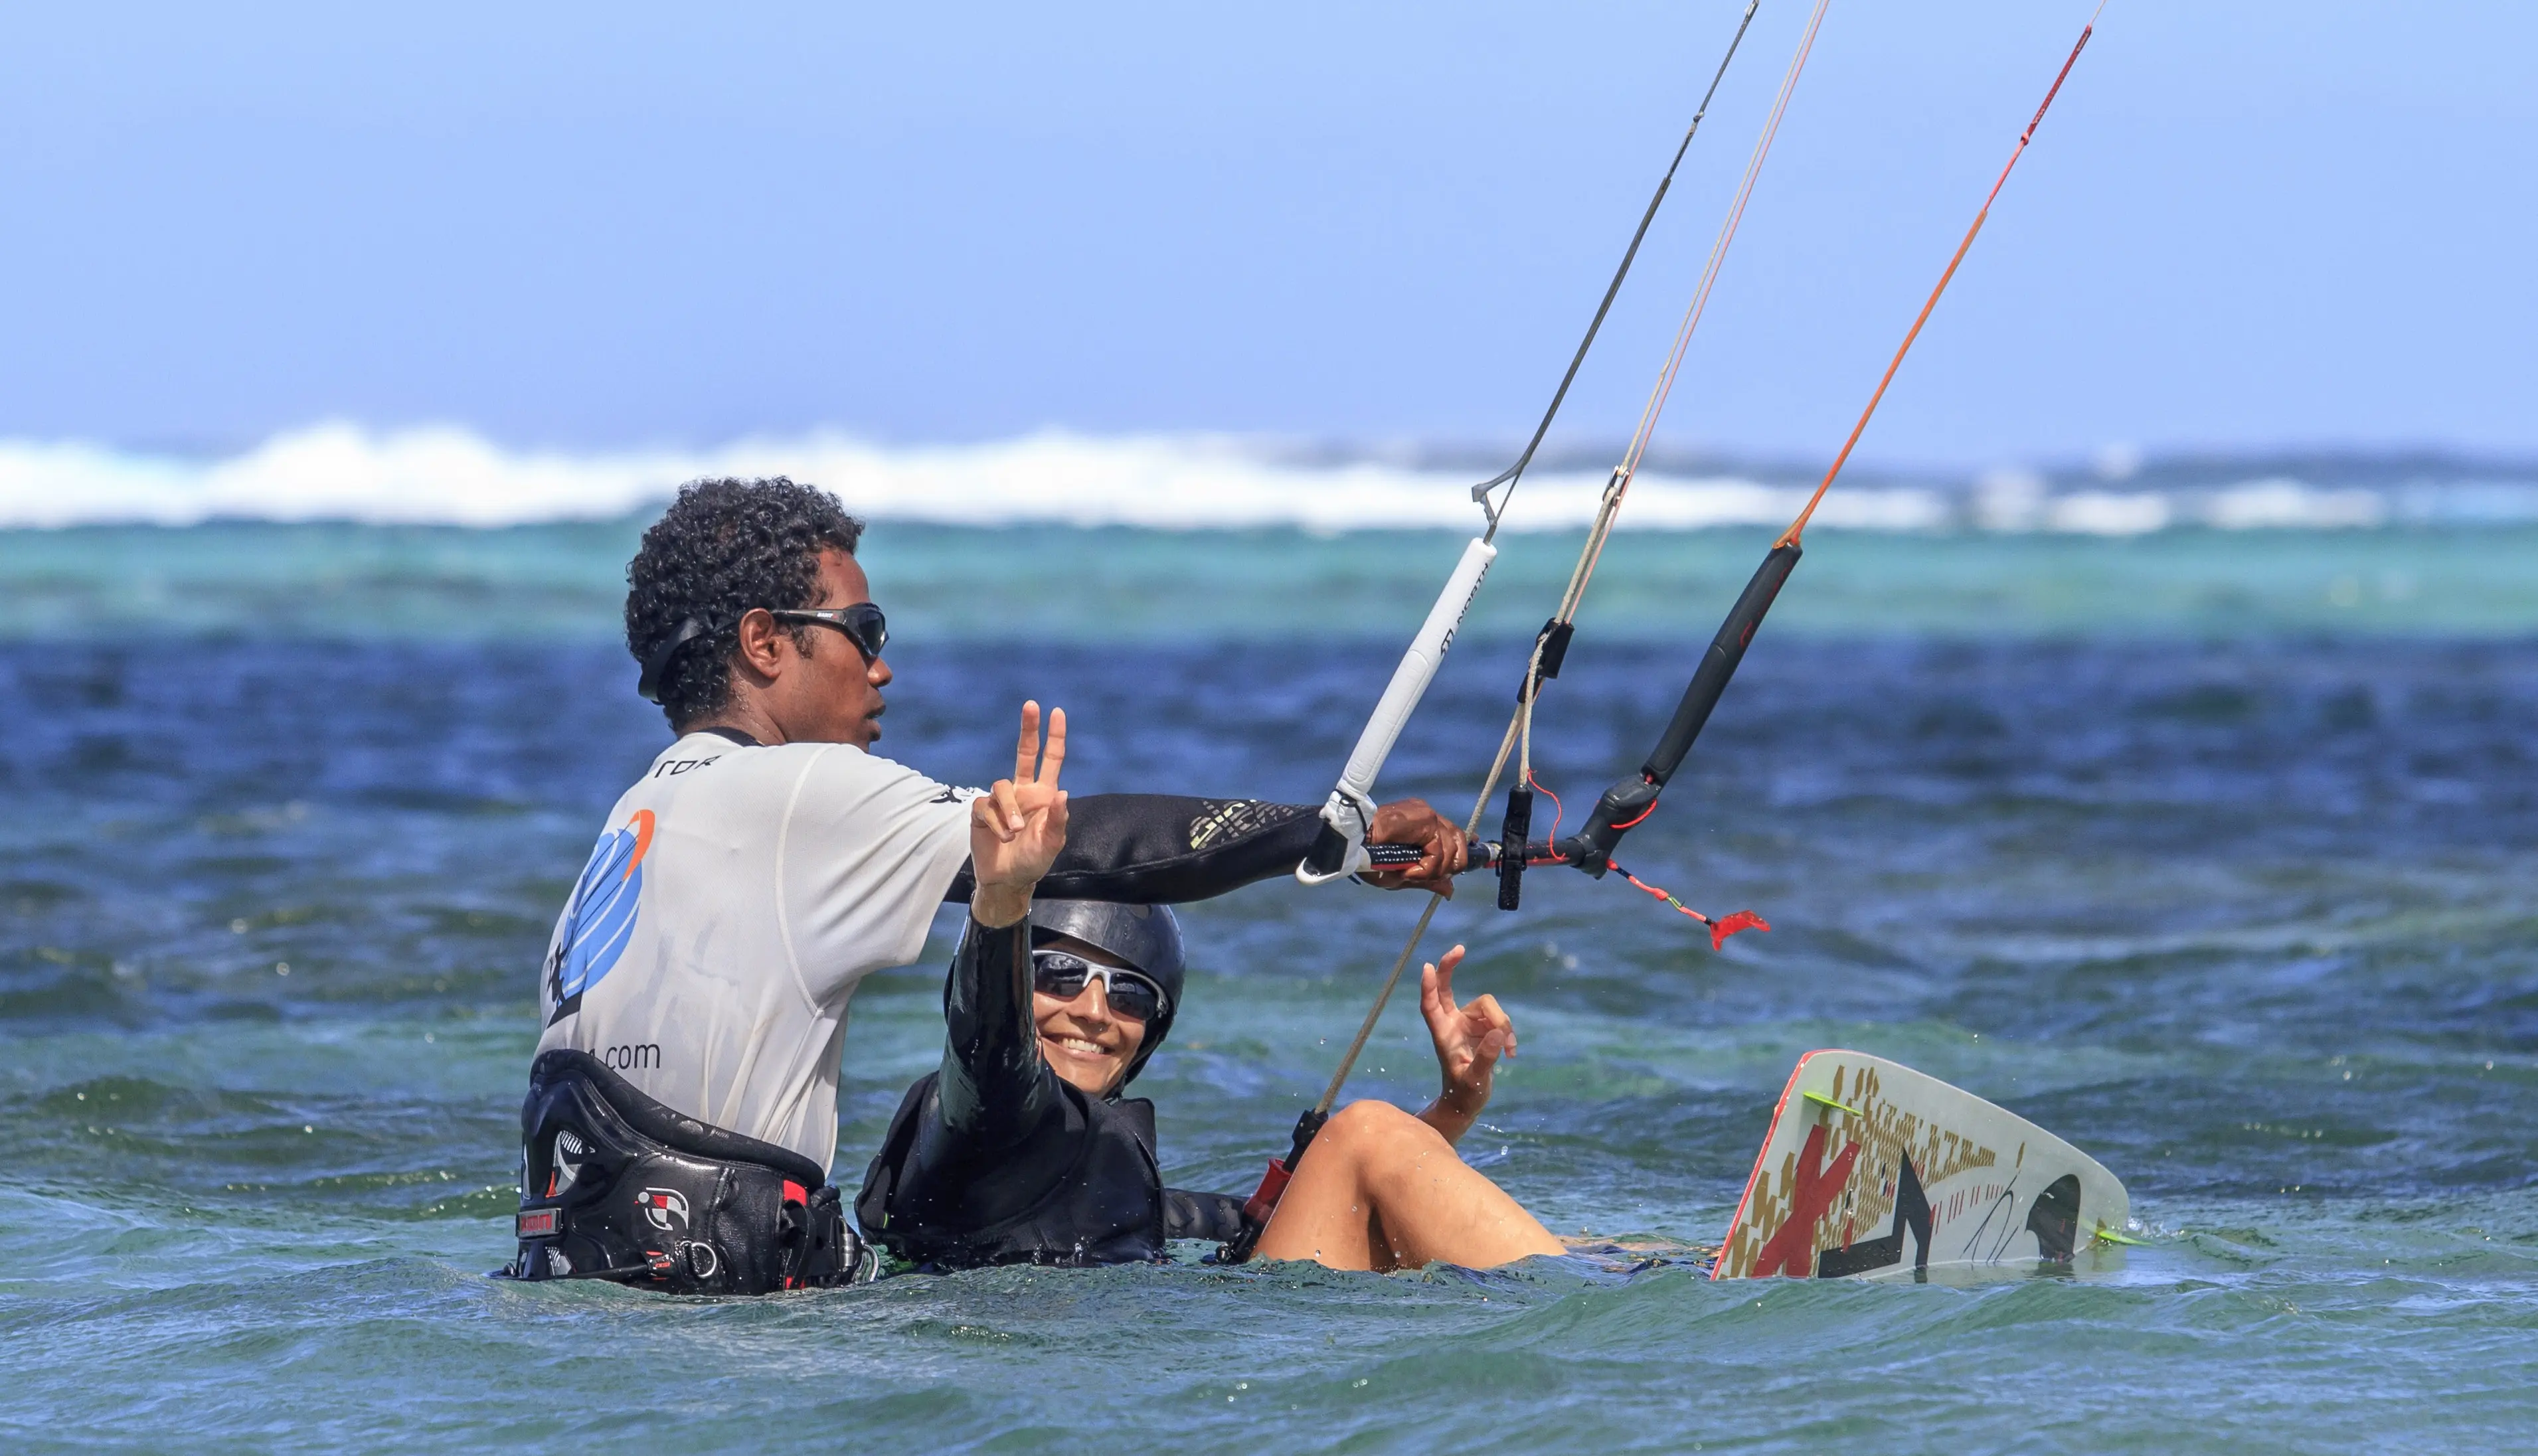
(1215,1217)
(995,1090)
(1153,850)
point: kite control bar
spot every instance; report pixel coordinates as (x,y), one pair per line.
(1626,804)
(1485,855)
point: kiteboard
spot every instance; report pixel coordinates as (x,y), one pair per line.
(1873,1169)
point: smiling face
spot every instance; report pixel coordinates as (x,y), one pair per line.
(1085,1044)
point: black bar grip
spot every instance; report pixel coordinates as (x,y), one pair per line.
(1512,831)
(1484,854)
(1717,665)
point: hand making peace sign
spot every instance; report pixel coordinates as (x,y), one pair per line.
(1018,826)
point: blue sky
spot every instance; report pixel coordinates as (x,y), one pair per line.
(2244,226)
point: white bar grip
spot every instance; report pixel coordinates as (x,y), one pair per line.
(1352,804)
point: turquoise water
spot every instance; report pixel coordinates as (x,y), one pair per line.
(567,581)
(2215,852)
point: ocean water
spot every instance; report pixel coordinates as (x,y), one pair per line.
(2215,851)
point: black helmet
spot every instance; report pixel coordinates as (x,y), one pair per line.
(1147,937)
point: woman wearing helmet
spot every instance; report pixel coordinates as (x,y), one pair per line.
(1021,1150)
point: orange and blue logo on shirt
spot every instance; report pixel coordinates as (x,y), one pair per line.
(602,918)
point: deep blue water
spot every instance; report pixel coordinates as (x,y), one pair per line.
(2251,917)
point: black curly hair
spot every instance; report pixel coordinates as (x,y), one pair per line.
(723,548)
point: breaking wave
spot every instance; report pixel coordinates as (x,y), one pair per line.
(449,476)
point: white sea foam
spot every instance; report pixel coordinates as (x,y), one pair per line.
(452,475)
(448,476)
(2108,513)
(2287,503)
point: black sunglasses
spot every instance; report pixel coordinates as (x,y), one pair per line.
(1062,975)
(863,623)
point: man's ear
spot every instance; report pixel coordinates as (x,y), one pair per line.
(764,646)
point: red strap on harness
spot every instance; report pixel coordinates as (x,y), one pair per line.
(799,1197)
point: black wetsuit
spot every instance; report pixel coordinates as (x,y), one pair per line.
(995,1160)
(1165,849)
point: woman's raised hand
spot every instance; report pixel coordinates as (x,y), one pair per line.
(1018,826)
(1470,1039)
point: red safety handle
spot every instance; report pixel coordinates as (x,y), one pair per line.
(1264,1201)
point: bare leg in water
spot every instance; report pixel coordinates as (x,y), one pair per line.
(1380,1189)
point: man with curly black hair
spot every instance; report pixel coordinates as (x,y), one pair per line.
(682,1110)
(723,548)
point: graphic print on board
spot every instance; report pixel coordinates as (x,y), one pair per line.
(602,917)
(1911,1216)
(1873,1169)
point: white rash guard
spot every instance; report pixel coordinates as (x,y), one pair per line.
(736,899)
